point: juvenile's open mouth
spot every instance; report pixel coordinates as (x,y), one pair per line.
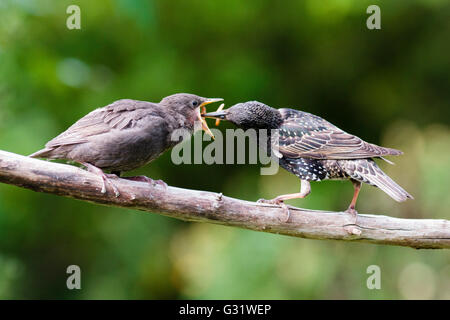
(202,110)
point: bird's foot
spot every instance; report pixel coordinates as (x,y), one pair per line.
(352,211)
(265,201)
(106,178)
(286,210)
(280,203)
(148,180)
(354,214)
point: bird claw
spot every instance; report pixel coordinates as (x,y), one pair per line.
(160,183)
(116,191)
(280,203)
(266,201)
(148,180)
(352,211)
(106,179)
(286,210)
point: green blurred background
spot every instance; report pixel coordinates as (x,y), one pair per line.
(388,86)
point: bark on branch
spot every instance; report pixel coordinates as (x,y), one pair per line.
(202,206)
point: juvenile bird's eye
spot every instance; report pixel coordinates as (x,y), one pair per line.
(194,103)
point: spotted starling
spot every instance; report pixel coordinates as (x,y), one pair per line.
(126,135)
(314,149)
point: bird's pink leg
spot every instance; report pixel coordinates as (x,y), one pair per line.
(357,187)
(148,180)
(105,178)
(305,189)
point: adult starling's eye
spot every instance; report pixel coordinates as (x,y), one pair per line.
(194,103)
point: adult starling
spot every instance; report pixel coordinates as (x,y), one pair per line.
(126,135)
(314,149)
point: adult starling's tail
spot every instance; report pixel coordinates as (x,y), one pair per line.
(366,170)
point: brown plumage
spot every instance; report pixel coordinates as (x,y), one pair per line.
(314,149)
(126,134)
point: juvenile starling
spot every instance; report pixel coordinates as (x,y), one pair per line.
(126,135)
(314,149)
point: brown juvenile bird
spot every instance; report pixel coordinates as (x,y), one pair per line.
(314,149)
(126,135)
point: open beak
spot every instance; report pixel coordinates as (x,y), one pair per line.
(202,110)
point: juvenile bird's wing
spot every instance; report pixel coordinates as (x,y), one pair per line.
(305,135)
(121,114)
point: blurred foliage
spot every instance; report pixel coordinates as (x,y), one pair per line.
(388,86)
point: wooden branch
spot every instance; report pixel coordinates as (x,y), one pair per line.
(202,206)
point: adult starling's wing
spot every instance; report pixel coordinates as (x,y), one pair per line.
(121,114)
(305,135)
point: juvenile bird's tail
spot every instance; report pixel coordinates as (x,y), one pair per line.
(43,153)
(366,170)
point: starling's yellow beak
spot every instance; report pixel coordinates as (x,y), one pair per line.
(202,110)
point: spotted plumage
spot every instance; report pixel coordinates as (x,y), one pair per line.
(314,149)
